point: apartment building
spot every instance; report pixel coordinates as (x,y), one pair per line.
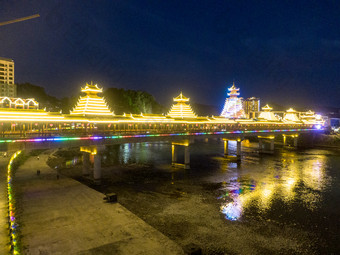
(7,86)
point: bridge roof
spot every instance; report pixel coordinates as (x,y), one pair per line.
(181,109)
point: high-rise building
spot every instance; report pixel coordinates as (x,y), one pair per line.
(251,105)
(7,86)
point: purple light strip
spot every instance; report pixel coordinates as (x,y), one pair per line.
(57,139)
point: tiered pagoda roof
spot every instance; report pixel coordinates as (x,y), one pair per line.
(291,115)
(91,104)
(267,114)
(181,109)
(233,91)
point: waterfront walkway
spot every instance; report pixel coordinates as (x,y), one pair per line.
(4,235)
(63,216)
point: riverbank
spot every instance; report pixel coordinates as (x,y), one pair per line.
(4,231)
(327,141)
(63,216)
(187,210)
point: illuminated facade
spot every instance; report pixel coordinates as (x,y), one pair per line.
(18,103)
(91,114)
(311,117)
(251,106)
(91,104)
(233,107)
(181,109)
(267,114)
(291,115)
(7,86)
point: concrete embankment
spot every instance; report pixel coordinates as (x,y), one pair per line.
(4,232)
(63,216)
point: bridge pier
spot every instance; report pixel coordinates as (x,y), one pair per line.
(284,140)
(186,157)
(173,154)
(96,151)
(295,140)
(86,164)
(238,148)
(97,169)
(174,146)
(263,140)
(226,150)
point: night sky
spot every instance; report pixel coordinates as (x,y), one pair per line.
(282,51)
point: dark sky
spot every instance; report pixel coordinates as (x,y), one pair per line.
(282,51)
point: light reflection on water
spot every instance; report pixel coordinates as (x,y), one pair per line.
(293,178)
(293,189)
(283,187)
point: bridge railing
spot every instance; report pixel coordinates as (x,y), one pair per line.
(140,131)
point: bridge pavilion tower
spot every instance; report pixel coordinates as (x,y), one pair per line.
(91,104)
(267,114)
(181,109)
(233,107)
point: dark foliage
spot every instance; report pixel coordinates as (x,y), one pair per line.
(131,101)
(119,100)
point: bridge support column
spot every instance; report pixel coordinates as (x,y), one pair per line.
(296,141)
(238,150)
(86,164)
(97,169)
(95,150)
(260,145)
(288,143)
(186,157)
(174,146)
(226,152)
(173,153)
(272,145)
(284,139)
(266,141)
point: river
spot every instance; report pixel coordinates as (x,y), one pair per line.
(286,203)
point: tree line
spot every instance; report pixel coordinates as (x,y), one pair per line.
(119,100)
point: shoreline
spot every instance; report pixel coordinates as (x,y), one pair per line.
(61,215)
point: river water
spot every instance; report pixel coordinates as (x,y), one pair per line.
(286,203)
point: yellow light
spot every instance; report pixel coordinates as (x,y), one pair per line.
(181,109)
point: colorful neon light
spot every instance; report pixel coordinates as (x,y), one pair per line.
(60,139)
(13,225)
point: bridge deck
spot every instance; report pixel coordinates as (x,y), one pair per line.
(65,217)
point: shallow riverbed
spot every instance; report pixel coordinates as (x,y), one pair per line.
(287,203)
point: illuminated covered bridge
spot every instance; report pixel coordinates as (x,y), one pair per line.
(91,115)
(92,125)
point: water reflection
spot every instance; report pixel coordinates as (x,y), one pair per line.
(133,153)
(289,178)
